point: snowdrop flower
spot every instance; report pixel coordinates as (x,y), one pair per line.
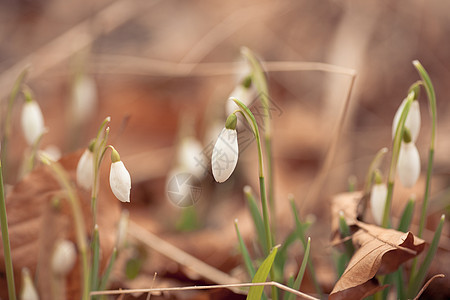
(84,99)
(378,198)
(122,229)
(244,92)
(412,121)
(408,161)
(119,178)
(188,156)
(64,257)
(226,151)
(85,168)
(28,291)
(31,119)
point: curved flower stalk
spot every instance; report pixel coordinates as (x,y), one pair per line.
(28,290)
(244,91)
(226,151)
(119,177)
(378,198)
(63,258)
(85,168)
(31,119)
(408,161)
(413,119)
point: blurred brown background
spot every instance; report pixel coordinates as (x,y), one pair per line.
(154,66)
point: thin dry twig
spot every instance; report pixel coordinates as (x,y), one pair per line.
(206,287)
(179,256)
(427,284)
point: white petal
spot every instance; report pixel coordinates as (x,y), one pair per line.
(408,164)
(378,201)
(84,99)
(32,121)
(189,157)
(225,155)
(120,181)
(412,121)
(64,257)
(243,94)
(28,291)
(85,170)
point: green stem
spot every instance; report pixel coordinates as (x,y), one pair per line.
(61,176)
(433,110)
(268,148)
(395,154)
(6,243)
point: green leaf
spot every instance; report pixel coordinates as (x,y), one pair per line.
(244,251)
(255,292)
(95,259)
(345,231)
(418,279)
(133,267)
(105,278)
(407,215)
(301,272)
(257,219)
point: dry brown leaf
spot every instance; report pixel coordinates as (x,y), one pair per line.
(348,204)
(381,251)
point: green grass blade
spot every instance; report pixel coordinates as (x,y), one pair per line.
(400,284)
(418,278)
(290,283)
(345,231)
(255,292)
(95,259)
(301,235)
(107,272)
(244,251)
(257,219)
(301,272)
(407,215)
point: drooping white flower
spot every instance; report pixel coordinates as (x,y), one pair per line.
(84,99)
(28,291)
(53,152)
(226,151)
(119,178)
(122,229)
(408,167)
(32,121)
(63,258)
(189,156)
(412,121)
(378,201)
(85,170)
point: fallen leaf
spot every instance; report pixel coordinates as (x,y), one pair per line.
(348,204)
(381,251)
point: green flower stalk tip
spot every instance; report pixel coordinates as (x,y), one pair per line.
(247,81)
(407,136)
(115,157)
(231,122)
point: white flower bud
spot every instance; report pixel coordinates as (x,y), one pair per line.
(84,99)
(32,121)
(119,178)
(64,257)
(412,121)
(378,201)
(408,167)
(225,155)
(85,170)
(122,229)
(28,291)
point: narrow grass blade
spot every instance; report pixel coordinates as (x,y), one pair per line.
(107,272)
(290,283)
(95,259)
(301,235)
(244,251)
(405,220)
(281,258)
(418,278)
(257,219)
(345,231)
(255,292)
(400,284)
(301,272)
